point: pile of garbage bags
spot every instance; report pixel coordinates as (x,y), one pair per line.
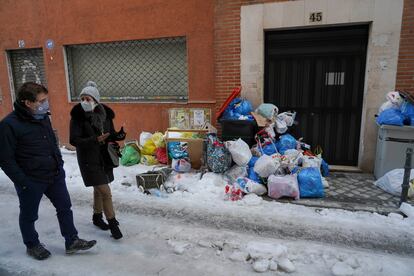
(282,167)
(277,165)
(396,111)
(149,150)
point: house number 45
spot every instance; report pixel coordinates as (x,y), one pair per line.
(315,17)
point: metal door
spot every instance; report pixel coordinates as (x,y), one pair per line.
(319,73)
(26,65)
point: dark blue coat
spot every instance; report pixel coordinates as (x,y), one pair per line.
(29,149)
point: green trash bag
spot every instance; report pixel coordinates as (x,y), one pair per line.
(130,156)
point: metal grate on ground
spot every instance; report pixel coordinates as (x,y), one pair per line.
(355,192)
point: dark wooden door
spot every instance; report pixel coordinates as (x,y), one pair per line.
(319,73)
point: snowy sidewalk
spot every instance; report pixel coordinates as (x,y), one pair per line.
(159,246)
(354,192)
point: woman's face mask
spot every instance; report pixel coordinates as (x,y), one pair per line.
(88,106)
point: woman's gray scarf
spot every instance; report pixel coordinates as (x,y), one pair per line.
(97,117)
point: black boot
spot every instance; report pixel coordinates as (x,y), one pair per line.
(115,231)
(39,252)
(79,244)
(98,221)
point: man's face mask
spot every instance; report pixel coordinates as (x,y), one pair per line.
(42,108)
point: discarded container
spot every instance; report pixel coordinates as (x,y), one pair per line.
(392,144)
(234,129)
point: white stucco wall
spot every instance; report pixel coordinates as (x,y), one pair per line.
(384,16)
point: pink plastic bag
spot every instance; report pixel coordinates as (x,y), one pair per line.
(279,186)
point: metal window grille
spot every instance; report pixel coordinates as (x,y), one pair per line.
(139,70)
(26,65)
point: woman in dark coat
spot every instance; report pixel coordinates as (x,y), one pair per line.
(91,129)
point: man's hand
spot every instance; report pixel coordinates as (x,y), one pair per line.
(102,138)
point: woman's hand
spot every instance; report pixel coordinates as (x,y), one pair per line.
(120,135)
(102,138)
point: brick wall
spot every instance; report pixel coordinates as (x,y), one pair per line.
(405,72)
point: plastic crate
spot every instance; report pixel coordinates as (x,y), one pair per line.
(235,129)
(153,179)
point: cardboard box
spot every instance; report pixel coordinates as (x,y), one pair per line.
(195,145)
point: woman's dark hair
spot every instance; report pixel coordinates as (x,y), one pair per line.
(29,91)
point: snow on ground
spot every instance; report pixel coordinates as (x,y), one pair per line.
(193,231)
(158,246)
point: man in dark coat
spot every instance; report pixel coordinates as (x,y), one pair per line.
(31,158)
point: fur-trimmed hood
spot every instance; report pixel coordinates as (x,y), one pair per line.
(77,113)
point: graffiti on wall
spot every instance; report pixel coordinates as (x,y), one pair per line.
(30,71)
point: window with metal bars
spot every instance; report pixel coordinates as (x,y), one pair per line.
(153,70)
(26,65)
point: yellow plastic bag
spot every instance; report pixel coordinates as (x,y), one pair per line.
(187,135)
(158,139)
(148,160)
(148,148)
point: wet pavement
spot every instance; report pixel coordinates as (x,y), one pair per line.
(354,192)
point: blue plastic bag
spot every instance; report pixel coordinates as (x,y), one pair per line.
(177,150)
(286,142)
(253,161)
(251,174)
(390,116)
(407,111)
(238,107)
(242,106)
(324,168)
(269,149)
(310,183)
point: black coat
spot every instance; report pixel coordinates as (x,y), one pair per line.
(29,149)
(94,162)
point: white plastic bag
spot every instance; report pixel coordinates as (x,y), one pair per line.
(270,130)
(267,110)
(281,126)
(394,100)
(235,172)
(280,186)
(391,182)
(181,165)
(311,162)
(287,117)
(143,137)
(266,165)
(294,157)
(249,186)
(284,120)
(240,152)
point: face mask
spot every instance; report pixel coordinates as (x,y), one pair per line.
(88,106)
(42,109)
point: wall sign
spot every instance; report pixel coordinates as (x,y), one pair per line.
(50,44)
(21,43)
(315,17)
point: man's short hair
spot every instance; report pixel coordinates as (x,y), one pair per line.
(29,91)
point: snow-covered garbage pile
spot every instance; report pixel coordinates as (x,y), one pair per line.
(277,164)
